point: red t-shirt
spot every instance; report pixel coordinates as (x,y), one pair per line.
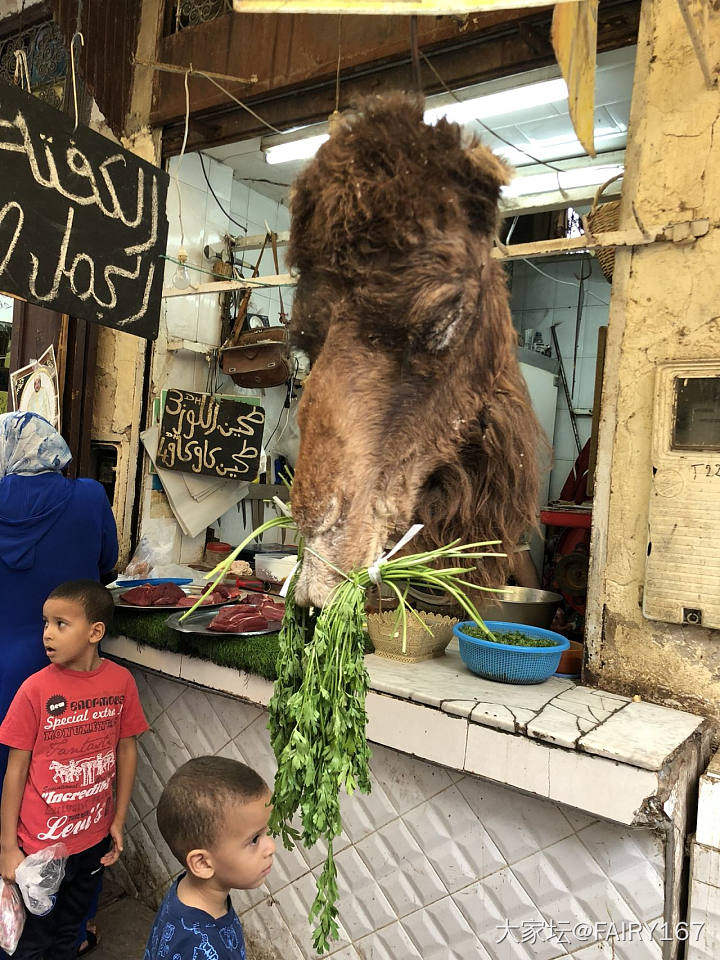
(71,720)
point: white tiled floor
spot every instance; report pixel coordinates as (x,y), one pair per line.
(433,866)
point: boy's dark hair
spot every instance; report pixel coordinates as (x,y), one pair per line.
(95,599)
(190,813)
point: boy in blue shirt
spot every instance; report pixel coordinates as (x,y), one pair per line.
(213,814)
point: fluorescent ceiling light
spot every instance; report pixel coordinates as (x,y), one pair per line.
(500,104)
(554,149)
(479,108)
(295,149)
(566,180)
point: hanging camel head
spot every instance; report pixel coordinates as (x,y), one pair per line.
(415,408)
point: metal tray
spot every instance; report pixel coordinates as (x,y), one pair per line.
(129,584)
(198,623)
(121,605)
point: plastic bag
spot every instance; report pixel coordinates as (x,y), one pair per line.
(148,555)
(12,917)
(39,877)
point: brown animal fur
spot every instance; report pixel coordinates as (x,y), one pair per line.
(415,408)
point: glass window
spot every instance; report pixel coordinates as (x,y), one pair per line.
(697,413)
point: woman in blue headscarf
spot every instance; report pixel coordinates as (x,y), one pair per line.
(51,530)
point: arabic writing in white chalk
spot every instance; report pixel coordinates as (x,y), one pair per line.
(192,440)
(52,173)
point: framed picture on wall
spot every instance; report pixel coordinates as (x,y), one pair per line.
(34,388)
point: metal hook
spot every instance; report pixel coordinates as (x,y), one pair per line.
(76,36)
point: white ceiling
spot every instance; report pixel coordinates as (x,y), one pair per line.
(544,131)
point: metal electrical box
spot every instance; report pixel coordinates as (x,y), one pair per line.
(682,571)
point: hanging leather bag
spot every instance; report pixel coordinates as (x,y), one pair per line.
(257,358)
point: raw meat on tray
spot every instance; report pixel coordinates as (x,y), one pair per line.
(272,611)
(170,595)
(220,594)
(154,595)
(247,617)
(238,619)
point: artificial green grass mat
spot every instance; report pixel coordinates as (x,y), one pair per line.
(254,654)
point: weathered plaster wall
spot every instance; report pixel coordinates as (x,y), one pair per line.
(119,381)
(116,416)
(664,306)
(121,357)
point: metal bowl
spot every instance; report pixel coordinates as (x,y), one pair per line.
(535,608)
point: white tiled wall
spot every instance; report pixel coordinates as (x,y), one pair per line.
(254,209)
(538,302)
(433,864)
(205,220)
(704,895)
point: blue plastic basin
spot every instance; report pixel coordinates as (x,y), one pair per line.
(506,663)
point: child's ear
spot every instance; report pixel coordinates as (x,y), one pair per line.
(199,864)
(97,632)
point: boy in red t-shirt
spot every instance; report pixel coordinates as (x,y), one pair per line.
(71,730)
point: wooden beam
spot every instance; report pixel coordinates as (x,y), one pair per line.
(681,231)
(678,232)
(224,286)
(295,58)
(256,241)
(192,72)
(387,8)
(597,399)
(574,37)
(553,200)
(292,51)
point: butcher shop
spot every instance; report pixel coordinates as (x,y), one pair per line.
(390,331)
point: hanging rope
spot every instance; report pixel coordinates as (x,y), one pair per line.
(335,115)
(339,58)
(238,102)
(212,77)
(415,54)
(182,254)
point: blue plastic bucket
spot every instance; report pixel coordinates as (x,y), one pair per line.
(506,663)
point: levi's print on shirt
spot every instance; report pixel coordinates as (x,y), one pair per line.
(72,721)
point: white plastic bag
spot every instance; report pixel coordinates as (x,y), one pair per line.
(148,554)
(39,877)
(12,917)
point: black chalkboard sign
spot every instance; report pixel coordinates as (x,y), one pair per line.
(210,437)
(82,221)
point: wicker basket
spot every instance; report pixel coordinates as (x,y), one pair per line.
(603,217)
(385,631)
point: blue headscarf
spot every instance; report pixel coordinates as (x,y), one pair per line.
(33,492)
(29,445)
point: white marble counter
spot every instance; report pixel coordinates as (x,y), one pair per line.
(593,750)
(558,711)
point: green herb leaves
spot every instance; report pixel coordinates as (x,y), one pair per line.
(317,730)
(317,712)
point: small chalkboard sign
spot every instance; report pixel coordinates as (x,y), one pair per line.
(210,437)
(82,221)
